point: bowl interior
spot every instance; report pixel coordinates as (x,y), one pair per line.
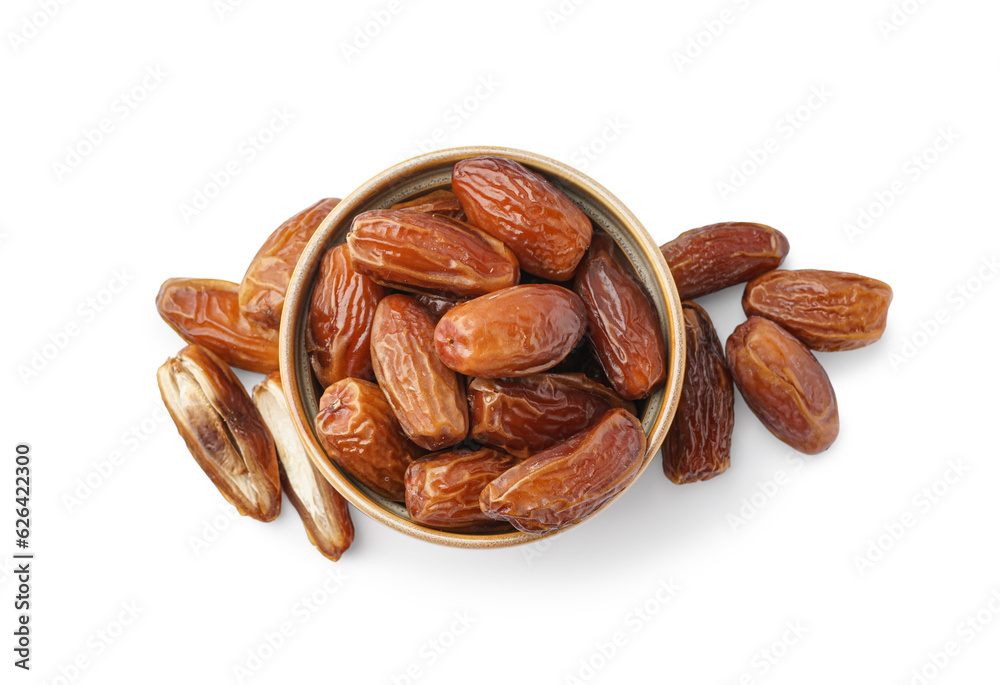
(422,175)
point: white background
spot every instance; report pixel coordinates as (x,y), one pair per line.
(747,556)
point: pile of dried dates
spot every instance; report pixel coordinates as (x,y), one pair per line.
(481,351)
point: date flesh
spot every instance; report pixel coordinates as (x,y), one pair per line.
(206,312)
(826,310)
(223,430)
(622,327)
(784,385)
(526,415)
(441,202)
(704,260)
(323,510)
(513,332)
(699,440)
(262,290)
(548,233)
(559,486)
(427,397)
(338,332)
(430,254)
(360,433)
(442,490)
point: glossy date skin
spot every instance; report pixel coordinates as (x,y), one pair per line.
(784,385)
(223,430)
(622,327)
(699,440)
(338,331)
(430,254)
(426,396)
(442,490)
(324,512)
(206,312)
(513,332)
(262,290)
(826,310)
(526,415)
(704,260)
(548,233)
(360,433)
(559,486)
(441,202)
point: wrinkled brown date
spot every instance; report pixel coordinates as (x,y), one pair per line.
(206,312)
(427,397)
(430,254)
(784,385)
(435,306)
(547,232)
(704,260)
(338,331)
(359,432)
(323,510)
(442,490)
(526,415)
(441,202)
(826,310)
(699,440)
(559,486)
(621,326)
(513,332)
(223,430)
(262,290)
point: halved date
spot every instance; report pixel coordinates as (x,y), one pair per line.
(430,254)
(826,310)
(442,490)
(262,290)
(547,232)
(784,385)
(427,397)
(223,430)
(526,415)
(360,433)
(324,512)
(699,440)
(621,326)
(559,486)
(513,332)
(704,260)
(206,312)
(338,332)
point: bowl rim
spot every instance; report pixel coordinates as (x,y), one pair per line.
(300,288)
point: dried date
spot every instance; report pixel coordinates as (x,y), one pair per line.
(441,202)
